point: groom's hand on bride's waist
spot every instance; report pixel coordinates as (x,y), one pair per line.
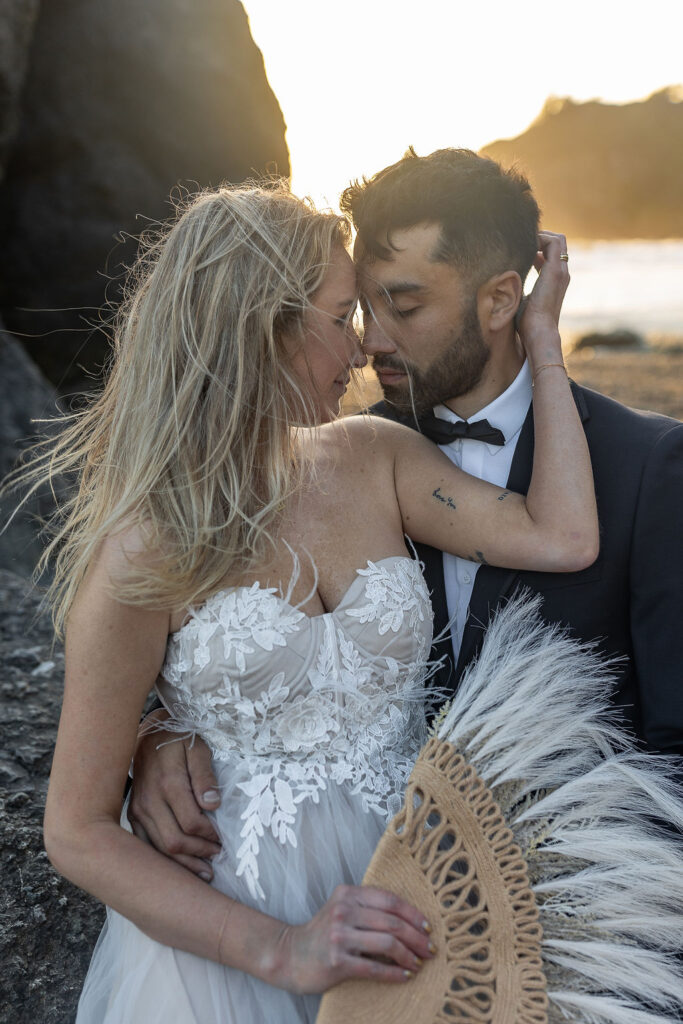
(173,784)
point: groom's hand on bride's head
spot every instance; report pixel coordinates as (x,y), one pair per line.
(173,784)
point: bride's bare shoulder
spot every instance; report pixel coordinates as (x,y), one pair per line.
(125,550)
(362,431)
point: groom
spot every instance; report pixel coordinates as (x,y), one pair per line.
(433,234)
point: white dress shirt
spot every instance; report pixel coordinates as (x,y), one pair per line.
(489,462)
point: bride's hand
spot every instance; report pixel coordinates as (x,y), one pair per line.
(539,315)
(356,925)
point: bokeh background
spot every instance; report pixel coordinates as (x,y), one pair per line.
(110,109)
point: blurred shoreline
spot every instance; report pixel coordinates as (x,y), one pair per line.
(631,285)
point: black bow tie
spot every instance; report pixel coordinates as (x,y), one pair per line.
(444,431)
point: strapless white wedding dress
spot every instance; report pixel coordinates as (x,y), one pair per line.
(314,723)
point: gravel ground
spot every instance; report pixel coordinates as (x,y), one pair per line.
(643,379)
(47,927)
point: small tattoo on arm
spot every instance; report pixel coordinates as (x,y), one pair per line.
(440,497)
(503,496)
(480,557)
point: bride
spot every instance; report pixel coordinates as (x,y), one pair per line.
(231,536)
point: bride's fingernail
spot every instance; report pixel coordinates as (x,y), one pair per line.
(432,948)
(408,975)
(205,875)
(426,927)
(211,796)
(418,961)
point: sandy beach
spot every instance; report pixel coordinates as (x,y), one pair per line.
(644,379)
(647,379)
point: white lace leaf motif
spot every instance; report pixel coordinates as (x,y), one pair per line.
(245,618)
(392,597)
(347,713)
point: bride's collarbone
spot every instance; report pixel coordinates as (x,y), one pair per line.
(314,573)
(308,575)
(327,533)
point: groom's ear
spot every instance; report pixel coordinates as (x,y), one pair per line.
(498,300)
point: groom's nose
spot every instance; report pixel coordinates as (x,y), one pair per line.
(375,339)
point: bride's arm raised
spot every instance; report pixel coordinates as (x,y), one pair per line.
(113,655)
(554,528)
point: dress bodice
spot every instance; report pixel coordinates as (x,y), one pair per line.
(298,702)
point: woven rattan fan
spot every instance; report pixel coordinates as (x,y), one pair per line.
(527,837)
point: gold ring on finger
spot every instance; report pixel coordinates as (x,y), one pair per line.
(564,256)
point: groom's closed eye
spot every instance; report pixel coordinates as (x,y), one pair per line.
(402,313)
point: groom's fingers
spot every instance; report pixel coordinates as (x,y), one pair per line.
(192,832)
(167,834)
(182,833)
(550,246)
(548,293)
(202,778)
(162,800)
(177,838)
(194,864)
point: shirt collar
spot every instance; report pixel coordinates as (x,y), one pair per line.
(507,412)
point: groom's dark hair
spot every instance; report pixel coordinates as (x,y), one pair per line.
(488,215)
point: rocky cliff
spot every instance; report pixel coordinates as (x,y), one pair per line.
(605,171)
(120,101)
(27,402)
(17,24)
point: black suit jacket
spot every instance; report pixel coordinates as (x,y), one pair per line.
(631,598)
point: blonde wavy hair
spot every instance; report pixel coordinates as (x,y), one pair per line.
(191,439)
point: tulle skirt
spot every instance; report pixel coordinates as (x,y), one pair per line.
(134,980)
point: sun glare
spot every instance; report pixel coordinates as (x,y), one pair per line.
(360,81)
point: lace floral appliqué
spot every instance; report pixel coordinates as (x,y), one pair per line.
(353,718)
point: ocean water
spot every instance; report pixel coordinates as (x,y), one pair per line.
(635,284)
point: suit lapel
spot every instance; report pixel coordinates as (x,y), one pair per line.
(492,585)
(432,561)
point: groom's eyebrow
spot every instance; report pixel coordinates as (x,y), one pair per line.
(401,287)
(392,290)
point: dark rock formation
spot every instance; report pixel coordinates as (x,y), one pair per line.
(47,927)
(603,171)
(122,101)
(25,398)
(610,339)
(17,23)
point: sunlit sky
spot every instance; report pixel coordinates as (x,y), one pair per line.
(360,80)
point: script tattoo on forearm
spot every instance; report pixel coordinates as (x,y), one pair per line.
(503,496)
(479,557)
(443,498)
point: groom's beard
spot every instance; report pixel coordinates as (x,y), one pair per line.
(454,373)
